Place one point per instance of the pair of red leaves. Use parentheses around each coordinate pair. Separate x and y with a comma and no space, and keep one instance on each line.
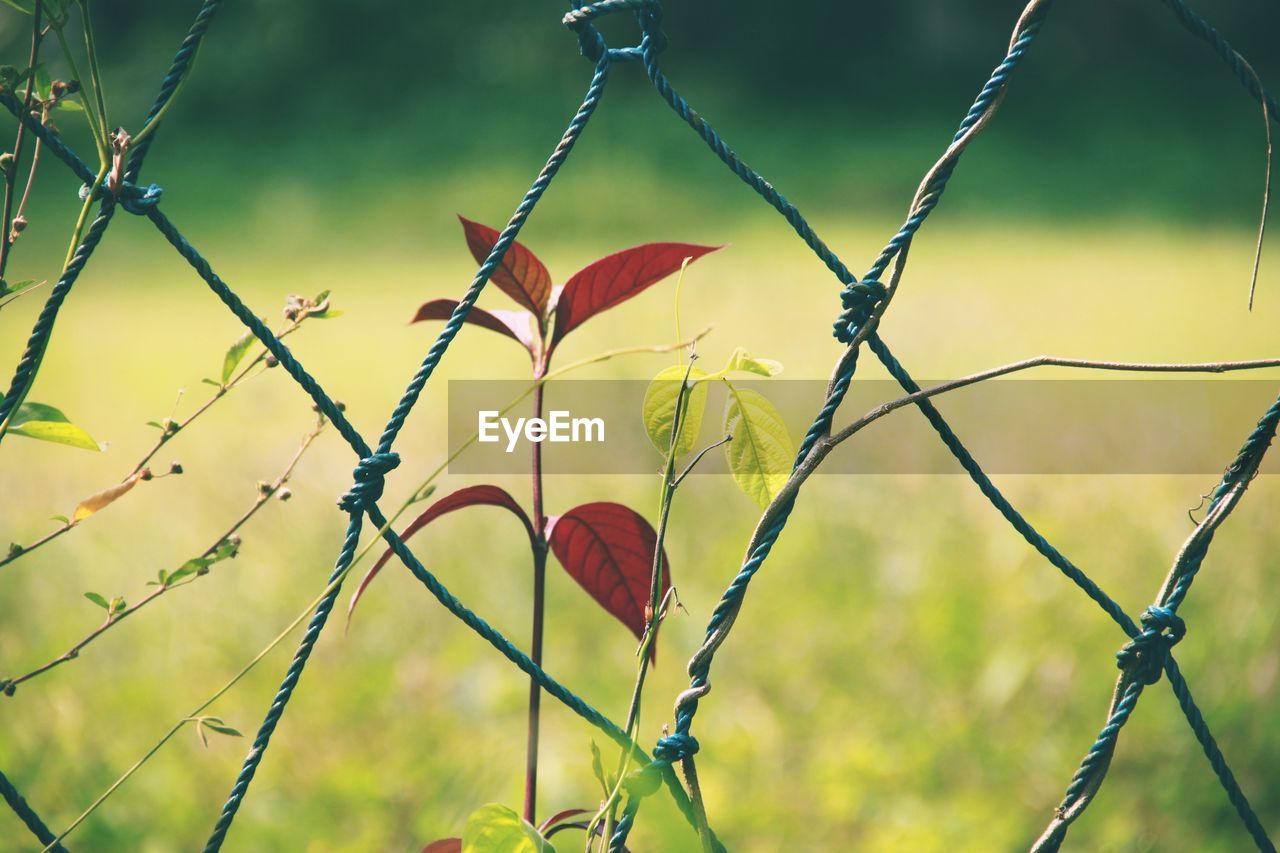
(593,289)
(606,547)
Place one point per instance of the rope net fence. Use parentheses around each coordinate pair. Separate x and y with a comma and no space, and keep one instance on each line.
(1145,657)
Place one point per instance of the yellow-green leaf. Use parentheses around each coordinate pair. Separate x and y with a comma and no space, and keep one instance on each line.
(235,355)
(494,828)
(760,453)
(104,498)
(36,420)
(742,362)
(659,409)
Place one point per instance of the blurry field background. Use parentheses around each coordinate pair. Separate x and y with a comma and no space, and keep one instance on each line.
(907,674)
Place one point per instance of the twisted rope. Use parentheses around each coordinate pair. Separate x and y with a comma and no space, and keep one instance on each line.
(169,85)
(28,816)
(25,373)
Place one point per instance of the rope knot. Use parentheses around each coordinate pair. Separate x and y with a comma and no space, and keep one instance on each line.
(592,43)
(369,478)
(859,299)
(1144,656)
(676,747)
(133,198)
(139,200)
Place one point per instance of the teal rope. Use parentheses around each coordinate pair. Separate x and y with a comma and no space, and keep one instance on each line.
(857,303)
(1146,656)
(860,299)
(274,345)
(373,467)
(25,372)
(1203,30)
(1217,760)
(169,85)
(28,815)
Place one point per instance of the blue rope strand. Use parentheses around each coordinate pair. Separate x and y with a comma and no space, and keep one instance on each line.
(25,372)
(285,691)
(274,345)
(504,241)
(169,85)
(1202,29)
(28,816)
(1216,759)
(369,479)
(1144,658)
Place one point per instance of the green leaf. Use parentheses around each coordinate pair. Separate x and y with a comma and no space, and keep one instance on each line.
(659,409)
(494,828)
(744,363)
(760,453)
(327,314)
(98,600)
(36,420)
(7,289)
(227,549)
(68,105)
(44,84)
(235,355)
(116,606)
(61,518)
(190,567)
(58,433)
(27,7)
(215,724)
(597,769)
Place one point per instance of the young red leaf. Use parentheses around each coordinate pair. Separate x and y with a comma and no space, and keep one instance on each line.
(444,845)
(513,324)
(520,275)
(608,549)
(616,278)
(470,496)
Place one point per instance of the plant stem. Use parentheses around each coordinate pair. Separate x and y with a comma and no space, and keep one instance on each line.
(11,174)
(539,605)
(262,498)
(373,542)
(657,607)
(167,434)
(699,808)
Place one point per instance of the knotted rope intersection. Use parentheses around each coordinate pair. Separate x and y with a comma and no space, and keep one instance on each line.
(1143,658)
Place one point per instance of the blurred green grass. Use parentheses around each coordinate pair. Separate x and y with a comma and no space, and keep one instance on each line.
(906,674)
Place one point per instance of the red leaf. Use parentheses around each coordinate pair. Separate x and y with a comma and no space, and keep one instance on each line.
(513,324)
(444,845)
(470,496)
(608,549)
(520,275)
(617,278)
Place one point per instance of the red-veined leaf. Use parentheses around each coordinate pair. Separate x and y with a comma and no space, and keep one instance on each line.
(520,275)
(513,324)
(470,496)
(444,845)
(608,549)
(616,278)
